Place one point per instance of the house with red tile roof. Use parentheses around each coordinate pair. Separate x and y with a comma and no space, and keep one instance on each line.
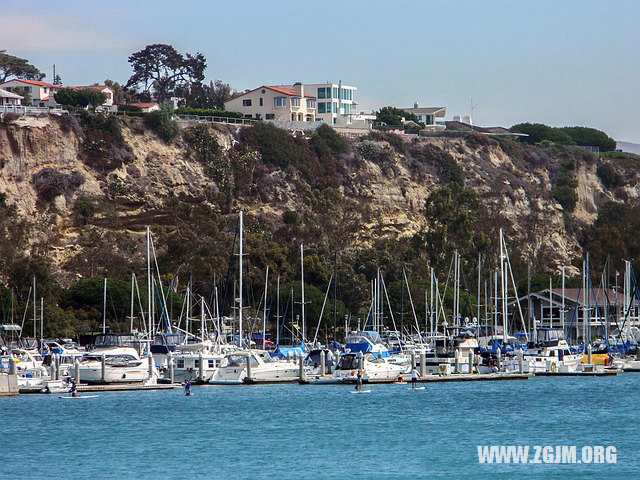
(275,103)
(108,92)
(146,107)
(41,92)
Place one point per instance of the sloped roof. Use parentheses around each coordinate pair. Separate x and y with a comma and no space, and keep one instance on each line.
(283,90)
(5,94)
(33,82)
(437,111)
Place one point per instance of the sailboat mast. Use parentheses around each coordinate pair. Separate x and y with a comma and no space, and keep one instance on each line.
(202,326)
(149,284)
(104,307)
(241,226)
(35,332)
(562,312)
(264,314)
(304,330)
(41,322)
(503,280)
(278,311)
(133,279)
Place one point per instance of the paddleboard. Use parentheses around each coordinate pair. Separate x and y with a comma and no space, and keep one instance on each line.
(80,396)
(418,388)
(361,391)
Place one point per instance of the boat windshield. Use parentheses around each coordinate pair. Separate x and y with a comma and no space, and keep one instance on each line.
(348,362)
(240,361)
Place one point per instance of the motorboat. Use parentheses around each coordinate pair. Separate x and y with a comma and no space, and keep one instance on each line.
(373,367)
(31,373)
(235,368)
(122,364)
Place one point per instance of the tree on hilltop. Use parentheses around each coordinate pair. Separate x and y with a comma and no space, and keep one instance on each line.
(160,69)
(12,66)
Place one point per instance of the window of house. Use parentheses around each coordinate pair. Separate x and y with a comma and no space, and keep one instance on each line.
(295,102)
(261,103)
(335,92)
(270,116)
(321,108)
(293,117)
(246,103)
(248,115)
(281,101)
(197,363)
(335,107)
(311,103)
(321,92)
(180,364)
(212,362)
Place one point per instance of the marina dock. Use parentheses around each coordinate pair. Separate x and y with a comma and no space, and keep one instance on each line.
(120,387)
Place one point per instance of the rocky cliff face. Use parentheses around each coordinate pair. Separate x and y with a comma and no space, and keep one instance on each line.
(385,186)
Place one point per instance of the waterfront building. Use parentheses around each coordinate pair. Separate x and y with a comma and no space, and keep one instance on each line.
(41,92)
(284,104)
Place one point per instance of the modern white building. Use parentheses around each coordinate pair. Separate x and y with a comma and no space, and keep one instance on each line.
(336,102)
(428,115)
(284,104)
(41,92)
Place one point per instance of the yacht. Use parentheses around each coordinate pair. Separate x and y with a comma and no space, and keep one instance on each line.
(198,361)
(123,364)
(32,375)
(263,367)
(374,367)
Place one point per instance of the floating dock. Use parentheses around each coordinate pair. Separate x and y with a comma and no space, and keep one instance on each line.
(120,387)
(601,373)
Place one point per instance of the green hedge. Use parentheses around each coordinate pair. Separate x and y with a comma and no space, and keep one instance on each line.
(207,112)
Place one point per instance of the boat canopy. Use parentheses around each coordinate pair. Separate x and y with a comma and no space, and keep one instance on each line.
(287,352)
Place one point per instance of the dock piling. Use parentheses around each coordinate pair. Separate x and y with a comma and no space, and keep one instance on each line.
(589,358)
(76,370)
(413,360)
(201,368)
(172,371)
(456,366)
(301,367)
(56,366)
(12,365)
(520,362)
(150,365)
(248,367)
(470,361)
(103,369)
(323,363)
(423,364)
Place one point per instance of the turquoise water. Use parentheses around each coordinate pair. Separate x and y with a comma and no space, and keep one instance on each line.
(299,432)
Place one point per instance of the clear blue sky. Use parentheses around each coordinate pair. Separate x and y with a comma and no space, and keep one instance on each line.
(557,62)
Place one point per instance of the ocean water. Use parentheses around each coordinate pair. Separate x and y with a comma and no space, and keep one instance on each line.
(321,432)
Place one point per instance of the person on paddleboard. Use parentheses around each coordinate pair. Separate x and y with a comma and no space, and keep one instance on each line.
(73,391)
(414,378)
(187,387)
(359,381)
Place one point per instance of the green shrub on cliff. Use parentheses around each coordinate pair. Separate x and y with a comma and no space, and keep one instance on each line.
(276,145)
(162,123)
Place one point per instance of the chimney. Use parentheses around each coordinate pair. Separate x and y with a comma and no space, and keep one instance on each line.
(298,87)
(415,104)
